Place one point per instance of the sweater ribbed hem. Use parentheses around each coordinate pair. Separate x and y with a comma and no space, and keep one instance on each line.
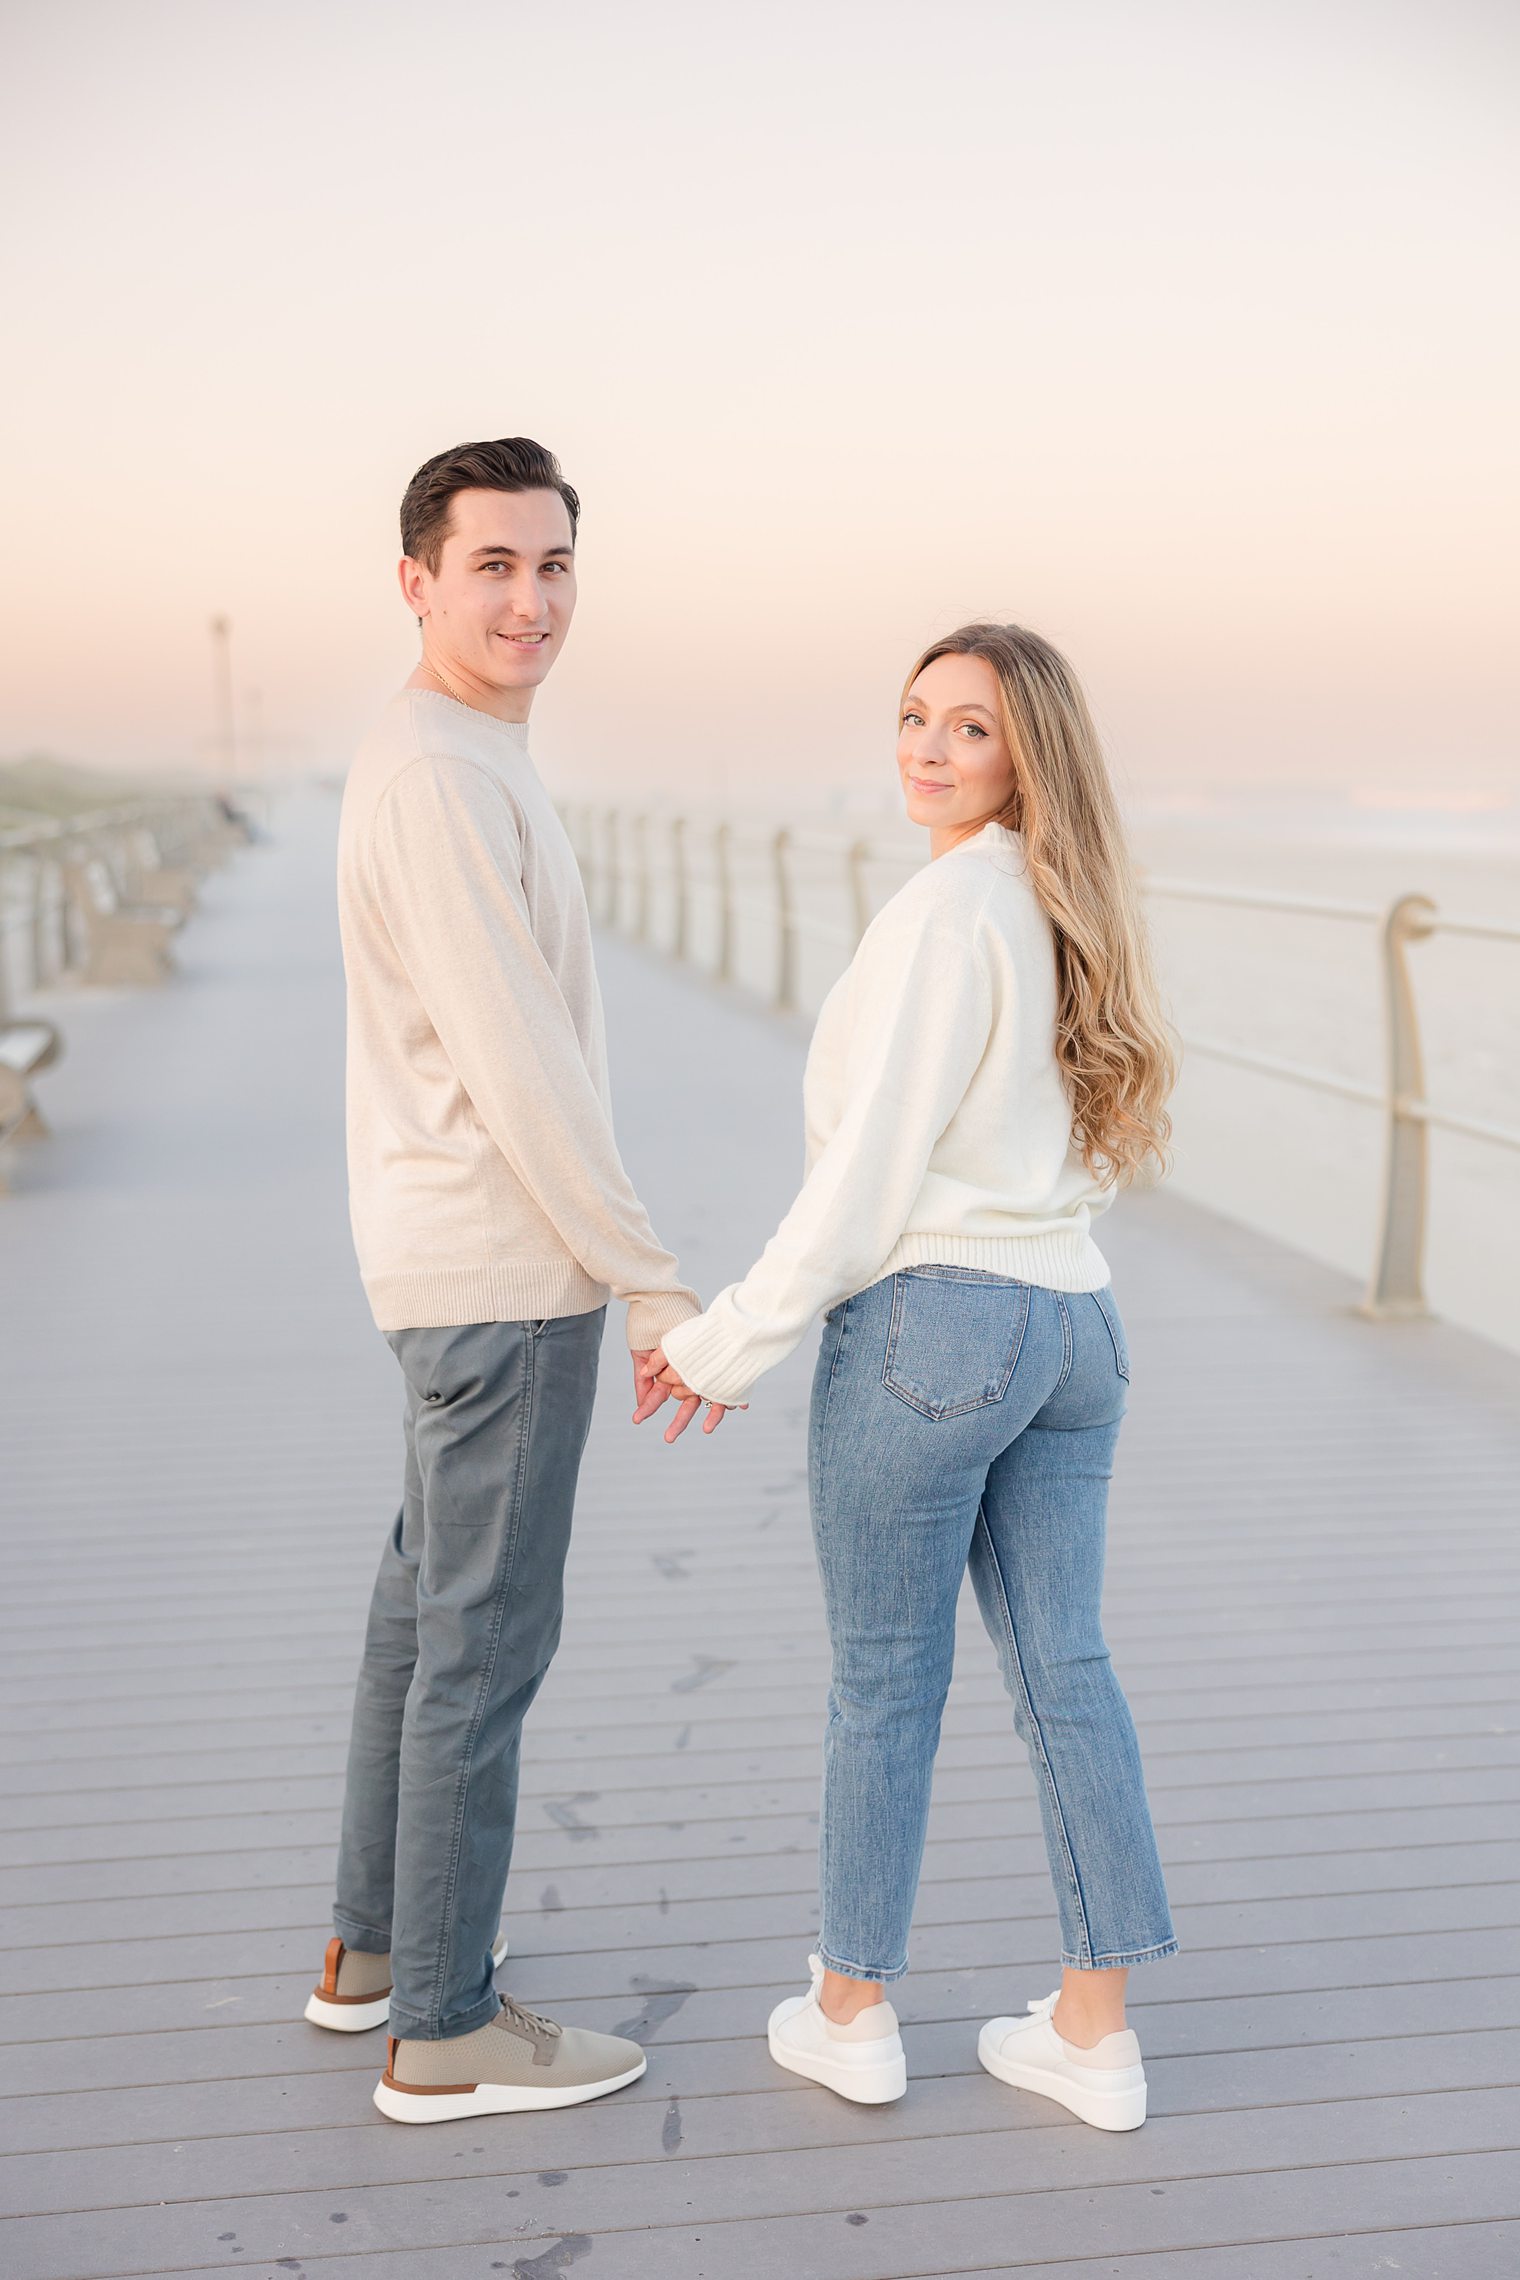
(510,1290)
(516,1290)
(1065,1259)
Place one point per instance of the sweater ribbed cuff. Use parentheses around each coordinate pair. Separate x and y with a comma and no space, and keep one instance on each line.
(652,1315)
(711,1360)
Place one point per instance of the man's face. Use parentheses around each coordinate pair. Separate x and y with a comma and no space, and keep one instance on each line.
(502,597)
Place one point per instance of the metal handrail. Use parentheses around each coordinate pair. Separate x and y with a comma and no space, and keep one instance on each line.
(1292,1072)
(1477,929)
(1396,1284)
(1471,1127)
(1253,898)
(128,815)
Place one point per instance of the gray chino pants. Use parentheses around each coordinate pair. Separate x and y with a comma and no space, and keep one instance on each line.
(463,1623)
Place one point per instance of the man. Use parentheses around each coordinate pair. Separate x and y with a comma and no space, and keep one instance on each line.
(492,1218)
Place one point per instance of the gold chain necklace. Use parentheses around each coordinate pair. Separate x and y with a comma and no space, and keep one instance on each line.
(448,684)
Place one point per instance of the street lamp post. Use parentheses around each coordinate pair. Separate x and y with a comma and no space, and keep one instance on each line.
(221,679)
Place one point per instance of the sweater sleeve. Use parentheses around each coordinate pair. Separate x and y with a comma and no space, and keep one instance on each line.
(920,1014)
(447,870)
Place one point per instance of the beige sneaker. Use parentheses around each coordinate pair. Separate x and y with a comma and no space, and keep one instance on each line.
(517,2064)
(354,1991)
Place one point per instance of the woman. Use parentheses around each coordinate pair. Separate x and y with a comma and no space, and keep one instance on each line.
(991,1067)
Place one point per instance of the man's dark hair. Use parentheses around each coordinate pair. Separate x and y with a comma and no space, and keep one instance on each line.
(511,463)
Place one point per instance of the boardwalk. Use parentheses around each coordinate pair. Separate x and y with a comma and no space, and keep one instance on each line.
(1311,1599)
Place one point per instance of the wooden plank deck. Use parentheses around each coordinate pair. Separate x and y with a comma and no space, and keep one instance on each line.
(1311,1599)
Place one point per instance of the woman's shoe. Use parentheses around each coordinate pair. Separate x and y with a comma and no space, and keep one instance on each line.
(354,1991)
(863,2061)
(1104,2085)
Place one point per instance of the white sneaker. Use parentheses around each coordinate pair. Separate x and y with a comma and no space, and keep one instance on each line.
(863,2061)
(1104,2085)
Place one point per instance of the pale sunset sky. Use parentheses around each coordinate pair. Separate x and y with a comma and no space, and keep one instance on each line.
(1185,332)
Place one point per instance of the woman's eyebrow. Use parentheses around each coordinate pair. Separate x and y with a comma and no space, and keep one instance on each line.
(982,709)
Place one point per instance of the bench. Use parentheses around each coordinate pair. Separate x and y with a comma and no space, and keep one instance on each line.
(25,1047)
(169,886)
(223,831)
(124,942)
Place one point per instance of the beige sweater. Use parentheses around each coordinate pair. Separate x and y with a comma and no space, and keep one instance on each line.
(484,1179)
(938,1126)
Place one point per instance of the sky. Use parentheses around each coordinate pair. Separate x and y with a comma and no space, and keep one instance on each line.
(1184,332)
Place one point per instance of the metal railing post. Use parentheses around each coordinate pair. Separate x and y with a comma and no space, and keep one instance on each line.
(573,816)
(611,896)
(786,926)
(6,869)
(64,925)
(1397,1285)
(641,898)
(34,921)
(860,893)
(723,855)
(43,909)
(679,924)
(590,854)
(11,873)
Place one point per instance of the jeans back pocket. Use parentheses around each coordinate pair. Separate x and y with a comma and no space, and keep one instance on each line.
(1104,1301)
(954,1340)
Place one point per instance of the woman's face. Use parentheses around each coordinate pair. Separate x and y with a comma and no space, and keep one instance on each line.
(956,768)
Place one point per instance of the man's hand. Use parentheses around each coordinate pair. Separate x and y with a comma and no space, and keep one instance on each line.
(643,1383)
(655,1382)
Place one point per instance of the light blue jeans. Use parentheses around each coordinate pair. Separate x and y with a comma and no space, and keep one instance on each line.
(961,1418)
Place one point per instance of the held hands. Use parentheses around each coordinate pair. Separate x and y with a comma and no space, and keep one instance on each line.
(655,1382)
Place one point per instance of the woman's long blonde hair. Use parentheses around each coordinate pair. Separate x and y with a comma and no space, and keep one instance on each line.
(1112,1043)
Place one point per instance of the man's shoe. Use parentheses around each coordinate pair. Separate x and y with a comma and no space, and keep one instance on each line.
(864,2060)
(354,1991)
(518,2063)
(1104,2085)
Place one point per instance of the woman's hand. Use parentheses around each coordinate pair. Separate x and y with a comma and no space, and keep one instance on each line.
(656,1381)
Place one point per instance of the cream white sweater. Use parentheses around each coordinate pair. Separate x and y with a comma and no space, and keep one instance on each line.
(484,1179)
(938,1128)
